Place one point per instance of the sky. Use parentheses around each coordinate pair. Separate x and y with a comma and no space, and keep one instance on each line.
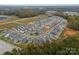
(38,2)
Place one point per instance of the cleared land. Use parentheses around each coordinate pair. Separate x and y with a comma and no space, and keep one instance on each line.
(70,32)
(9,24)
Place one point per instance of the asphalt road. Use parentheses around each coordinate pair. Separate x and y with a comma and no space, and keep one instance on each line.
(4,46)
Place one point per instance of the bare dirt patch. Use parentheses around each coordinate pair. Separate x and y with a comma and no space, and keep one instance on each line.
(70,32)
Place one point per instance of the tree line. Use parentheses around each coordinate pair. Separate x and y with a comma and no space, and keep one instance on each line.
(22,13)
(65,46)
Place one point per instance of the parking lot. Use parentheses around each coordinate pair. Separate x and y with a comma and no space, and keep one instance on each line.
(4,46)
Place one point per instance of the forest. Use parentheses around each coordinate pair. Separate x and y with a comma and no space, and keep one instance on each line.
(21,13)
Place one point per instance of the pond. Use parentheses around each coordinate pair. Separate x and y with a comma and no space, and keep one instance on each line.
(2,18)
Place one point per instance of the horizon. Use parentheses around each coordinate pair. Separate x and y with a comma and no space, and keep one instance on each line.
(39,4)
